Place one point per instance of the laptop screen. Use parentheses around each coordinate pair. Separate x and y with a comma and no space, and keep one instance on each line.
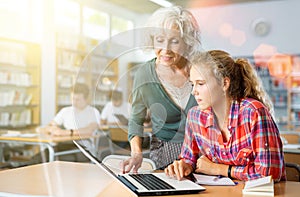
(123,120)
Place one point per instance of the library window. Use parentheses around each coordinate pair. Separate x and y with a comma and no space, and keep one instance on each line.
(119,25)
(67,16)
(95,24)
(23,21)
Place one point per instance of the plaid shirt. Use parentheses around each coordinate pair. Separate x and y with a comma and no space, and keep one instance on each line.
(254,146)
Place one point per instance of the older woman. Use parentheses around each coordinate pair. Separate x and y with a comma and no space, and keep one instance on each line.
(162,86)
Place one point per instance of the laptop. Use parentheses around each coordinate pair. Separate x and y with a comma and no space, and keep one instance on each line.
(147,184)
(123,120)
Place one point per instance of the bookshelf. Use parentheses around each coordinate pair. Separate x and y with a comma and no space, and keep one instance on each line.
(276,89)
(82,62)
(286,69)
(132,68)
(19,84)
(293,99)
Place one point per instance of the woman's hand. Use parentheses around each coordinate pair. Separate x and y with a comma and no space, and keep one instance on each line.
(179,169)
(134,162)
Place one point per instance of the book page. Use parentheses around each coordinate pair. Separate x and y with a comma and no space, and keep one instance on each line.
(212,180)
(258,182)
(262,186)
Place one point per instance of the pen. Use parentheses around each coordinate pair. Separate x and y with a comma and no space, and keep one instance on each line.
(192,177)
(217,177)
(220,176)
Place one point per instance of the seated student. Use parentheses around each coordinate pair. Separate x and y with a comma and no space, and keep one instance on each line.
(78,119)
(231,132)
(115,106)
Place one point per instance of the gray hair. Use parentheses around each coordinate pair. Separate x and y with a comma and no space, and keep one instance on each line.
(168,18)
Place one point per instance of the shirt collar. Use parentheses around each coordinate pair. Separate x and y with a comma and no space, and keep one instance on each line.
(234,113)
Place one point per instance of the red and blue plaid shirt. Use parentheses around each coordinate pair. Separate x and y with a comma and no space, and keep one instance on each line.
(254,146)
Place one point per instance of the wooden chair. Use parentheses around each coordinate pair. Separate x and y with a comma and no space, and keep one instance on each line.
(118,141)
(291,138)
(292,171)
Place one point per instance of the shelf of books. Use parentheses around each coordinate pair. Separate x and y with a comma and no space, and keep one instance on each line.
(276,89)
(294,99)
(77,62)
(285,72)
(19,84)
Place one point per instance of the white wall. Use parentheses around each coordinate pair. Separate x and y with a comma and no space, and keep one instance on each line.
(283,17)
(48,82)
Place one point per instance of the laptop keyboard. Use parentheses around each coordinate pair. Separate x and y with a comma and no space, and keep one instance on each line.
(151,182)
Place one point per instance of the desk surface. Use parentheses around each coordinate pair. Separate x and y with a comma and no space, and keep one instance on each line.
(54,179)
(106,127)
(282,189)
(43,138)
(81,179)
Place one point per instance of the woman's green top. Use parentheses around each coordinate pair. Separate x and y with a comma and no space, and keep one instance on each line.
(168,119)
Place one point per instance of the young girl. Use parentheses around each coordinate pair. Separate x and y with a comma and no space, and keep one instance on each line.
(231,132)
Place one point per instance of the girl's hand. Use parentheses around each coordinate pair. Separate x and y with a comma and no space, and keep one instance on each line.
(179,169)
(205,166)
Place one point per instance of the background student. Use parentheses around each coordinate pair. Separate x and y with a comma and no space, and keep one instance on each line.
(162,86)
(115,106)
(78,119)
(110,111)
(232,127)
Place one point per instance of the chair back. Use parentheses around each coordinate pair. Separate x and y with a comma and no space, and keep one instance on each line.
(291,138)
(118,134)
(114,162)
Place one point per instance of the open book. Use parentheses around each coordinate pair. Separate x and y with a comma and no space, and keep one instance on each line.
(260,187)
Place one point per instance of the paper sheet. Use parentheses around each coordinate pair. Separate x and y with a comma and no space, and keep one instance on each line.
(212,180)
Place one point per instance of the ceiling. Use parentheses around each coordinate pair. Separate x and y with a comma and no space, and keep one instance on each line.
(147,7)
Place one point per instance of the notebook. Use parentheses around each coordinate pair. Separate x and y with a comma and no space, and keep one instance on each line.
(123,120)
(147,184)
(259,187)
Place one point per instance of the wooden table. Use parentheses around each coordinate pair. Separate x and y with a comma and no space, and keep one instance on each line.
(45,140)
(81,179)
(58,178)
(106,127)
(292,153)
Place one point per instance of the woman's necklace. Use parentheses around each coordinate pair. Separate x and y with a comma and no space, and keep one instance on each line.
(177,92)
(180,92)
